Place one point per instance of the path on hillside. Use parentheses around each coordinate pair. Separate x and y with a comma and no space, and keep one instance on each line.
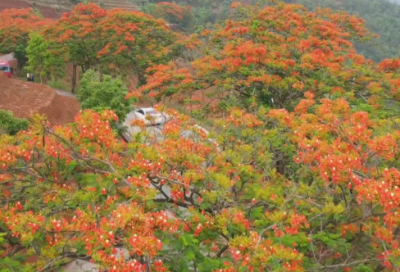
(10,57)
(64,93)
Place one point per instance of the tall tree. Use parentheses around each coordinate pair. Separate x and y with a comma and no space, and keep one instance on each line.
(77,32)
(104,93)
(112,42)
(15,28)
(45,57)
(174,14)
(272,54)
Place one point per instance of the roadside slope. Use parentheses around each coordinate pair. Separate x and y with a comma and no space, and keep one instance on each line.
(26,98)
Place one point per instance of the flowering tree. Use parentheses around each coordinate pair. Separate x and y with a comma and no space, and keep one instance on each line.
(15,28)
(272,55)
(114,42)
(315,189)
(174,14)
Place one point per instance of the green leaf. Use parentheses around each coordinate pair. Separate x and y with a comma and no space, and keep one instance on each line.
(189,254)
(184,241)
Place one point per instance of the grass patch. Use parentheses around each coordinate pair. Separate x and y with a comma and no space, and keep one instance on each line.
(57,84)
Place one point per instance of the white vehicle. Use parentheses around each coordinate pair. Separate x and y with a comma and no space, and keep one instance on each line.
(151,117)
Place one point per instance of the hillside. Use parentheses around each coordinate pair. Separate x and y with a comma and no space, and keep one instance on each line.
(54,8)
(124,4)
(26,98)
(51,12)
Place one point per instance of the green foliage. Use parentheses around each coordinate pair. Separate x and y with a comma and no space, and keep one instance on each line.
(19,52)
(9,265)
(202,12)
(10,124)
(104,93)
(57,84)
(41,58)
(148,8)
(20,55)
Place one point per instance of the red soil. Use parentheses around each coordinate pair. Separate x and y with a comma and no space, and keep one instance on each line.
(61,110)
(26,98)
(47,12)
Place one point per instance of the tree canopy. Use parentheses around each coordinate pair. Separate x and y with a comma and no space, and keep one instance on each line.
(111,41)
(381,17)
(271,55)
(174,14)
(299,173)
(313,189)
(15,28)
(104,93)
(44,58)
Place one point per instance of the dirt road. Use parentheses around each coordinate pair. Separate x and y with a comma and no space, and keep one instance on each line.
(64,93)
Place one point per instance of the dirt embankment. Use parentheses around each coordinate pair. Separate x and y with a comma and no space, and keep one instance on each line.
(46,11)
(61,110)
(26,98)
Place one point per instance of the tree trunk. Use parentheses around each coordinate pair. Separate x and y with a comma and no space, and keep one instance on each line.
(73,83)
